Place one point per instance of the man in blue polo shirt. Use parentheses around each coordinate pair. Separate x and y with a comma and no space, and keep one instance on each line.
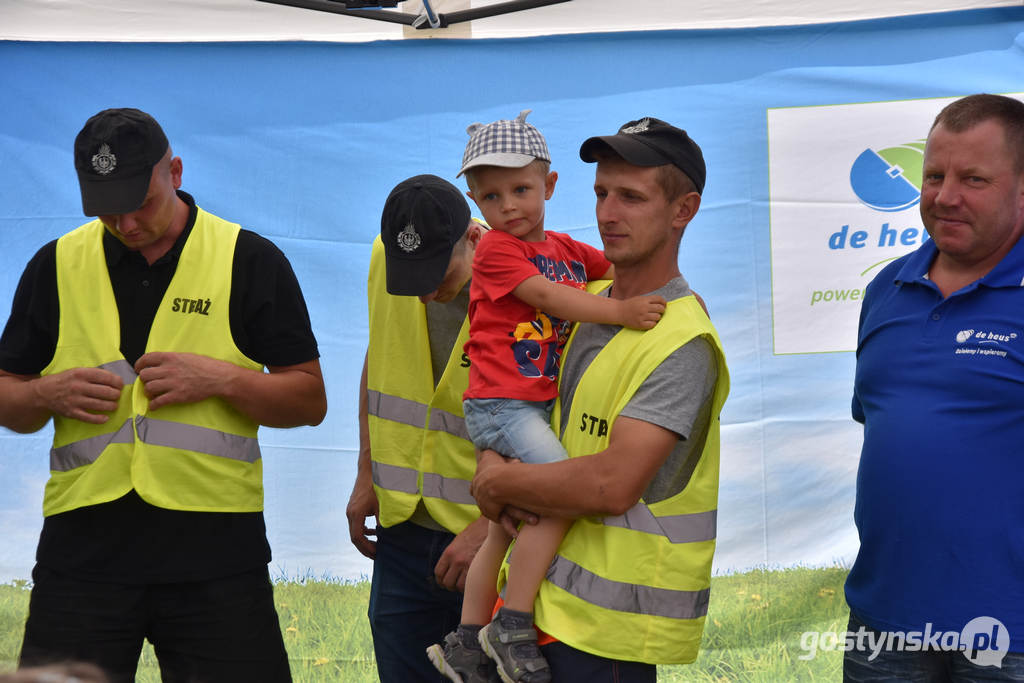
(937,590)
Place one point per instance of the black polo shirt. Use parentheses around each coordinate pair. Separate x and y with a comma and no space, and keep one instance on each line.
(129,540)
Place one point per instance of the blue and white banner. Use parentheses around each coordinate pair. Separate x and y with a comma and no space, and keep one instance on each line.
(845,186)
(811,134)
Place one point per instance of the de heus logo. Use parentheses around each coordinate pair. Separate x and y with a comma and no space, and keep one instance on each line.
(889,179)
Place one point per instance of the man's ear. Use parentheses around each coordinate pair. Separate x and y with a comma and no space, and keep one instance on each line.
(474,231)
(176,170)
(686,208)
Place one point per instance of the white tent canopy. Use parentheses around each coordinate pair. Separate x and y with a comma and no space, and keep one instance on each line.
(253,20)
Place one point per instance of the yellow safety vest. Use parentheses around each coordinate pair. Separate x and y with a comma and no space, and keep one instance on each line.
(635,587)
(418,440)
(201,456)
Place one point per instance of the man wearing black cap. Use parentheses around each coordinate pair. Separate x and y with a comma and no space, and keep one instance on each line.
(415,457)
(638,413)
(158,338)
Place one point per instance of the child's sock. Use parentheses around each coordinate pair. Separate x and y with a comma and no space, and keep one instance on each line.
(468,634)
(513,620)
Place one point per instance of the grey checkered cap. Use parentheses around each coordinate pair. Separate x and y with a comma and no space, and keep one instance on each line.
(509,143)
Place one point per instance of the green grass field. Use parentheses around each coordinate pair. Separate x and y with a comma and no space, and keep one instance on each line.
(753,629)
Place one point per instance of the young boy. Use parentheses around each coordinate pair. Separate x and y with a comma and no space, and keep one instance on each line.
(520,316)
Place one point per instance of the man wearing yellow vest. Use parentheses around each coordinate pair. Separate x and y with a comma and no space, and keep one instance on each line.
(638,414)
(158,338)
(415,457)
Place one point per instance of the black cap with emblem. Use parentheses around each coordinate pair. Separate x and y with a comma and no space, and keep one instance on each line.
(423,218)
(652,142)
(114,156)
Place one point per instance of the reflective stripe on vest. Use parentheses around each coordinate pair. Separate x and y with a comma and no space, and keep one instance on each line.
(188,437)
(396,409)
(86,451)
(122,369)
(413,413)
(691,528)
(626,597)
(443,421)
(395,478)
(156,432)
(639,599)
(445,488)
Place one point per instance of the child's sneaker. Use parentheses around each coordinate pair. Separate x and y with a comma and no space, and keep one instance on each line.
(515,653)
(460,663)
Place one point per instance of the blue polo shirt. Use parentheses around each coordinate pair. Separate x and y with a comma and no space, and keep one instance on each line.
(940,489)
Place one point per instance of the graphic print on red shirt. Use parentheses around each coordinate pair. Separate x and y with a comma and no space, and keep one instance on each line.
(514,348)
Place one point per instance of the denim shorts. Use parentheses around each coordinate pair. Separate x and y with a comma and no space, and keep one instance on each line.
(514,428)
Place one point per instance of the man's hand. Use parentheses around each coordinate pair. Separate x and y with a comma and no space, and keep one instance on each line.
(362,504)
(642,312)
(489,467)
(511,517)
(80,393)
(453,567)
(171,377)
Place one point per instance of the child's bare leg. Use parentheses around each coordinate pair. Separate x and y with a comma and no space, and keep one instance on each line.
(510,639)
(531,557)
(480,596)
(461,657)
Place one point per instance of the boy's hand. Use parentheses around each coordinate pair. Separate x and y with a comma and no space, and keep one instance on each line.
(642,312)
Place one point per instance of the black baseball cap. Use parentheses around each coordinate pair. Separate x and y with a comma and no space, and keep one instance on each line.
(652,142)
(114,156)
(423,218)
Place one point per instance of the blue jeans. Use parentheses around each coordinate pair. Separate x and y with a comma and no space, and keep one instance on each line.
(514,428)
(408,610)
(928,666)
(569,665)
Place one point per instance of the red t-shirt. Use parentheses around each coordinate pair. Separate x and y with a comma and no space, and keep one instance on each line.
(514,348)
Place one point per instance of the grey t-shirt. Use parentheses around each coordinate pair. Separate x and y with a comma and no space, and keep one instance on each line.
(676,396)
(444,321)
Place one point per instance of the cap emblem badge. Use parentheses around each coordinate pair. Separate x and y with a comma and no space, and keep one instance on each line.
(639,127)
(104,162)
(409,240)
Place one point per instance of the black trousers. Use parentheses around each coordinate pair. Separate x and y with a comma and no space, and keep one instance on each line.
(216,631)
(569,665)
